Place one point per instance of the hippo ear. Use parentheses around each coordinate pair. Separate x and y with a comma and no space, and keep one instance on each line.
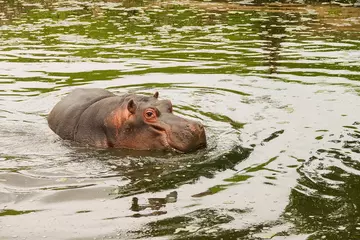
(131,106)
(156,95)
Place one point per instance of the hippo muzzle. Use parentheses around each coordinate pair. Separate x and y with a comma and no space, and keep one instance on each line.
(182,134)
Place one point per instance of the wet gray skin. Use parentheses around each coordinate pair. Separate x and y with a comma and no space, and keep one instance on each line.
(276,86)
(99,118)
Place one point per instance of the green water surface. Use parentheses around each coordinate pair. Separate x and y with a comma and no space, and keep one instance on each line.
(276,85)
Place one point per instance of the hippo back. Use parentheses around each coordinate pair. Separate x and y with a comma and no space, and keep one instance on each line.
(64,117)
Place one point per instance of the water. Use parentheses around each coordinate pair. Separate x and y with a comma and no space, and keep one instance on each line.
(276,87)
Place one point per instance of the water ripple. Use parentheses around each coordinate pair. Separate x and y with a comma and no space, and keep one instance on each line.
(276,86)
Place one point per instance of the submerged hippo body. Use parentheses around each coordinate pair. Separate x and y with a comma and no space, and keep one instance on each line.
(100,118)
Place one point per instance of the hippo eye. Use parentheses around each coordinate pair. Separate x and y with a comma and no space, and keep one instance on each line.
(150,114)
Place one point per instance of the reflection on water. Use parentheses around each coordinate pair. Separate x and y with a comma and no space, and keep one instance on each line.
(277,88)
(326,197)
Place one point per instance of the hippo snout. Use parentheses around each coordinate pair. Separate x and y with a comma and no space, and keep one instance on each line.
(200,131)
(188,137)
(195,126)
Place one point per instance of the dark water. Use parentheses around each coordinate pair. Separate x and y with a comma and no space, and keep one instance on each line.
(277,88)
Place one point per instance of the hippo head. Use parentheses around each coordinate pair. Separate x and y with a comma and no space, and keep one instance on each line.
(149,124)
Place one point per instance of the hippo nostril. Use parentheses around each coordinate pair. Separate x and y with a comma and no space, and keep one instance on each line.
(199,126)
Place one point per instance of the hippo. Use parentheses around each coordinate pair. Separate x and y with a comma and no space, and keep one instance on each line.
(99,118)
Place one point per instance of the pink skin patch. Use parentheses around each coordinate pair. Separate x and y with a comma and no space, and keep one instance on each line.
(117,118)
